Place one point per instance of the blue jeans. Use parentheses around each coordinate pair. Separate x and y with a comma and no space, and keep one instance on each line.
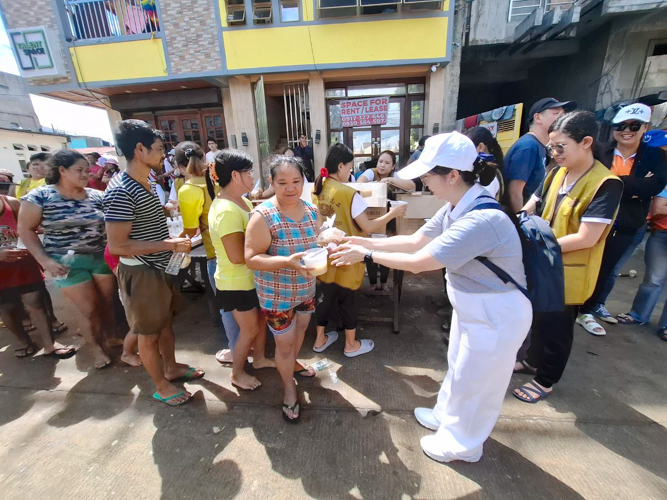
(654,280)
(613,276)
(229,325)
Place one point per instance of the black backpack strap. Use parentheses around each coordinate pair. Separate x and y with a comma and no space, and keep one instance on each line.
(503,275)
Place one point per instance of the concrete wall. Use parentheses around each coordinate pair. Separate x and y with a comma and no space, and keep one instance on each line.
(624,64)
(318,118)
(488,22)
(15,103)
(240,117)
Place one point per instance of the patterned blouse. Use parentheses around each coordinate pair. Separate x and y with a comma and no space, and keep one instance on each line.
(285,289)
(70,224)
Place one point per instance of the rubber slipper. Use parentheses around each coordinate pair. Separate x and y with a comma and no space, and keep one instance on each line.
(65,352)
(29,327)
(192,374)
(294,420)
(590,325)
(662,334)
(540,393)
(626,319)
(159,398)
(527,369)
(366,347)
(60,329)
(24,352)
(331,338)
(219,357)
(305,373)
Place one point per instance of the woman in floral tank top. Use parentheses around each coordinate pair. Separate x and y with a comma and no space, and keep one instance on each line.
(279,231)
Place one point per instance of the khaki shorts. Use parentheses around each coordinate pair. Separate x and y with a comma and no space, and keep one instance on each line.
(150,297)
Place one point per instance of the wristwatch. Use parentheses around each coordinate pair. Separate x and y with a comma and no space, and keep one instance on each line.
(368,258)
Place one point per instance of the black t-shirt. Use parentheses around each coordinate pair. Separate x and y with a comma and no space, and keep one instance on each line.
(602,207)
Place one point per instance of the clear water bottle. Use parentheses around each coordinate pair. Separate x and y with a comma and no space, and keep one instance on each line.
(175,263)
(66,261)
(325,364)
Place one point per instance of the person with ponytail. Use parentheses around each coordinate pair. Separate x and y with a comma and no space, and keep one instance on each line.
(490,151)
(194,202)
(231,173)
(491,318)
(385,172)
(579,199)
(339,284)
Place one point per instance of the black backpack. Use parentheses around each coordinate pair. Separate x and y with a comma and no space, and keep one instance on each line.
(542,260)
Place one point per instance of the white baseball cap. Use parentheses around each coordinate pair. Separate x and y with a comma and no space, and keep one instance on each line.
(637,111)
(452,150)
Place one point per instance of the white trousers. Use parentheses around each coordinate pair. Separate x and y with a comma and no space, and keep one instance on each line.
(486,333)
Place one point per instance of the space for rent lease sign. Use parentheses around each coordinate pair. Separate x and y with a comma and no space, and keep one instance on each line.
(362,112)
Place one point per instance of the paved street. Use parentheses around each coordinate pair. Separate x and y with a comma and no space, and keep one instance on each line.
(69,431)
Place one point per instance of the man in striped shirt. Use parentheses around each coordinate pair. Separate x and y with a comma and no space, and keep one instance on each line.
(137,231)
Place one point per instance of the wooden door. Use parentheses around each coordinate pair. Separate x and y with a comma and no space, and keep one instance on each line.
(214,126)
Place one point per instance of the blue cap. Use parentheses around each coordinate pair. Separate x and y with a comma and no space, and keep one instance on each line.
(656,138)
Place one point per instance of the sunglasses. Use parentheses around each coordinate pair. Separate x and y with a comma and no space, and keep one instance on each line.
(555,148)
(633,126)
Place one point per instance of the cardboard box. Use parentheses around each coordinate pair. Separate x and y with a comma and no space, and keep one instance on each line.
(420,207)
(374,213)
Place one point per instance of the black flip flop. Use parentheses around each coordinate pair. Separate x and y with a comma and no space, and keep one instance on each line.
(69,351)
(662,334)
(291,408)
(527,369)
(26,351)
(60,329)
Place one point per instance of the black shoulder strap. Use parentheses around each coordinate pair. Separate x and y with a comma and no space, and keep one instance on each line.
(503,275)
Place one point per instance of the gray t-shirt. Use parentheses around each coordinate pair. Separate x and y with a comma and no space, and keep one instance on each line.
(460,235)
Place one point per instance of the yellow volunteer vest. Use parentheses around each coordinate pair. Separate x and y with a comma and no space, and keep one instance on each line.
(336,198)
(582,267)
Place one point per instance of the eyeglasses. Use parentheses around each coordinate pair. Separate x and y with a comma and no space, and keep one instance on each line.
(633,126)
(555,148)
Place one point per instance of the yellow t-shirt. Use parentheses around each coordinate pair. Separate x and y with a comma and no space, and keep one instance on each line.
(21,188)
(192,200)
(226,217)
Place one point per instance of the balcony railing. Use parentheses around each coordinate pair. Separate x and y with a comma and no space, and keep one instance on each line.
(92,19)
(521,8)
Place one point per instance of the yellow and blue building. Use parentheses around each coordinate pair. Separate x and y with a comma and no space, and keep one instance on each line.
(251,74)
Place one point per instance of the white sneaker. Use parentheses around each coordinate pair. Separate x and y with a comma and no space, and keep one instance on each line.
(431,449)
(425,417)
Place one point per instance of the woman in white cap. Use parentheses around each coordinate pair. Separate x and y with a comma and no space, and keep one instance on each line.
(643,170)
(490,318)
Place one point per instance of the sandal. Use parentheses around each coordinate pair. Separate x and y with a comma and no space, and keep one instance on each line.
(159,398)
(24,352)
(59,329)
(191,374)
(662,334)
(307,372)
(590,325)
(294,407)
(61,352)
(527,369)
(540,393)
(365,347)
(331,338)
(220,357)
(626,319)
